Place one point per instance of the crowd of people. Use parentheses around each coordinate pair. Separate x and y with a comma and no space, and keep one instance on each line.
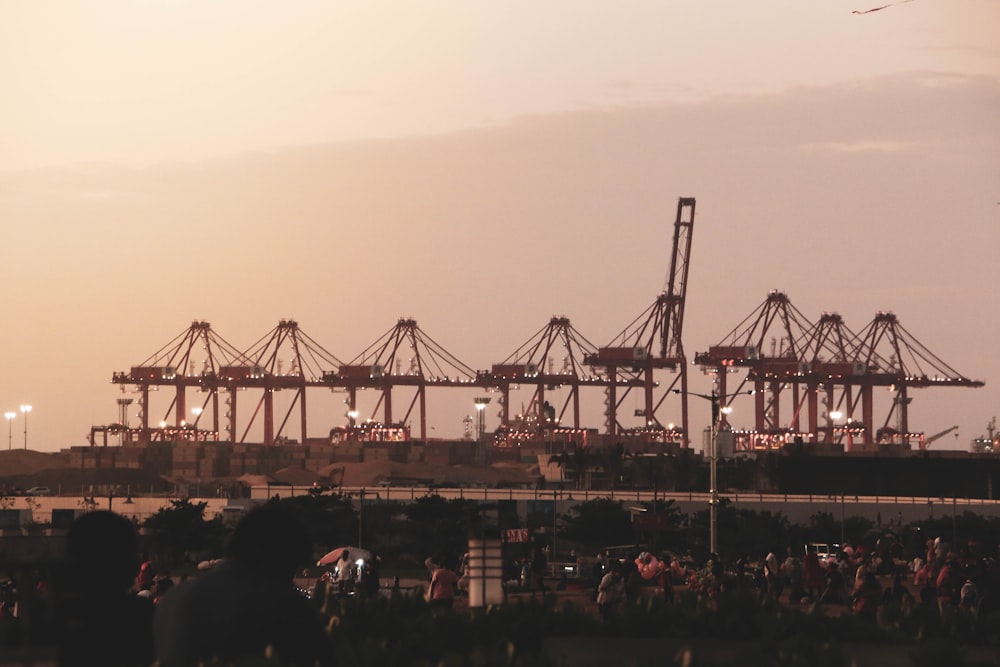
(104,604)
(854,579)
(862,579)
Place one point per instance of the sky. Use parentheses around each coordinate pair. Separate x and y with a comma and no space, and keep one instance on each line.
(483,166)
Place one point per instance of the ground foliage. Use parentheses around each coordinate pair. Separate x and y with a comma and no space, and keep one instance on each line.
(402,629)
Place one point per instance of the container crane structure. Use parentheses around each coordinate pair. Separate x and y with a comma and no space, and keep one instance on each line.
(811,382)
(404,356)
(308,364)
(653,341)
(176,365)
(895,359)
(823,363)
(227,370)
(533,364)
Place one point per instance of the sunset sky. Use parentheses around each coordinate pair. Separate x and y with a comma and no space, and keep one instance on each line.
(481,166)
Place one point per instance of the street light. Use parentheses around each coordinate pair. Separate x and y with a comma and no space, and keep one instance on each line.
(196,411)
(718,413)
(833,417)
(10,425)
(481,402)
(25,409)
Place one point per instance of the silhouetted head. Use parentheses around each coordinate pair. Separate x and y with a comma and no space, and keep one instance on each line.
(103,551)
(271,541)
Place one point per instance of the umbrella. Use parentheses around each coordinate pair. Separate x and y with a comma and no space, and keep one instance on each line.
(354,553)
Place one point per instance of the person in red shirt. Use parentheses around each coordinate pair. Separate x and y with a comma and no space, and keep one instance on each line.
(444,581)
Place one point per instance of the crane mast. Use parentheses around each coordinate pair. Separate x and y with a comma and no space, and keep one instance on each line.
(633,356)
(673,316)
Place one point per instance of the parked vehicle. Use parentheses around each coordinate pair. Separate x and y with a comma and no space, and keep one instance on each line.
(38,491)
(827,553)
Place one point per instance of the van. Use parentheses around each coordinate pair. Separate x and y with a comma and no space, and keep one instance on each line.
(38,491)
(827,553)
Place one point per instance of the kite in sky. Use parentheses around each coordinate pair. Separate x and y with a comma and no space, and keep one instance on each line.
(869,11)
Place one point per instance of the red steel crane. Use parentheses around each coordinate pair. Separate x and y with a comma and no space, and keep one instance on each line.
(195,358)
(895,359)
(404,356)
(653,341)
(534,364)
(284,359)
(823,363)
(200,359)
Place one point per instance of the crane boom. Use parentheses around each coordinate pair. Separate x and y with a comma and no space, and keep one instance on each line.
(931,438)
(673,316)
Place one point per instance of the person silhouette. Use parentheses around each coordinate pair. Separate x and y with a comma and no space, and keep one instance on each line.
(101,622)
(247,603)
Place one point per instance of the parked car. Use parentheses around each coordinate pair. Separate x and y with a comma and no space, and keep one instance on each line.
(827,552)
(38,491)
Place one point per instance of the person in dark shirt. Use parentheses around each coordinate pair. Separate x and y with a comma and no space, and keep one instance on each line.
(247,603)
(101,622)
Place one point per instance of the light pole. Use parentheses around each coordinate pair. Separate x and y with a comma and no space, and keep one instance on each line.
(196,411)
(10,427)
(25,409)
(833,417)
(481,403)
(713,501)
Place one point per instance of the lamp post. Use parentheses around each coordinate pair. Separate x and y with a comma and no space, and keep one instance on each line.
(196,411)
(833,417)
(481,402)
(25,409)
(10,427)
(713,502)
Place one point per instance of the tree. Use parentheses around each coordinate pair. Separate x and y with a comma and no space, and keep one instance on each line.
(437,526)
(180,533)
(598,523)
(745,532)
(330,518)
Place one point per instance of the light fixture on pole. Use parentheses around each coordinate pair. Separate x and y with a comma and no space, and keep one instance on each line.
(719,413)
(25,409)
(10,426)
(196,411)
(833,417)
(481,402)
(713,520)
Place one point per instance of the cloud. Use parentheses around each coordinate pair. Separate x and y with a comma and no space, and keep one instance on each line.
(862,146)
(851,198)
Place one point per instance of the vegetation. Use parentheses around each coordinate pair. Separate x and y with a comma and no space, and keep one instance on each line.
(400,628)
(180,535)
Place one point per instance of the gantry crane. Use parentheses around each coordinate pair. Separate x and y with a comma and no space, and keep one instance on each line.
(824,363)
(404,356)
(534,364)
(653,341)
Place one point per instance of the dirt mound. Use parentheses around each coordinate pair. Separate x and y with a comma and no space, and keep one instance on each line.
(22,469)
(29,462)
